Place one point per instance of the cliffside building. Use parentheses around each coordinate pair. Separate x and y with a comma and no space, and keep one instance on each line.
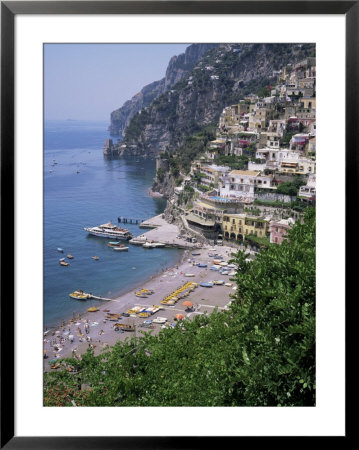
(238,226)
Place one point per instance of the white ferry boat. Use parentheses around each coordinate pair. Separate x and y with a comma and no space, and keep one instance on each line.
(108,230)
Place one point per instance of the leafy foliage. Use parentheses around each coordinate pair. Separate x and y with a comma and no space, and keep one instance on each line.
(232,161)
(290,187)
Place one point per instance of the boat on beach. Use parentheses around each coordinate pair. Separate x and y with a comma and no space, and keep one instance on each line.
(108,230)
(124,327)
(206,284)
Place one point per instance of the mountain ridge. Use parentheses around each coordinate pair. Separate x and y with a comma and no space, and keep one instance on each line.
(177,68)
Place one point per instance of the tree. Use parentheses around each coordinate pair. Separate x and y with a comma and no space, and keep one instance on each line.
(276,309)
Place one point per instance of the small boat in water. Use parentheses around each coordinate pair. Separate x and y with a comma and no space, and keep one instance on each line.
(122,248)
(70,256)
(64,263)
(113,244)
(79,294)
(95,258)
(61,250)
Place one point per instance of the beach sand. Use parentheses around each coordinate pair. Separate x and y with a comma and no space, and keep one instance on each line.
(100,332)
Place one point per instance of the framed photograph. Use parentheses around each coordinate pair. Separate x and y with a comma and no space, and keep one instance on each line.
(225,318)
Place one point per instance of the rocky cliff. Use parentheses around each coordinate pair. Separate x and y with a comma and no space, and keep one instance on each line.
(178,67)
(222,76)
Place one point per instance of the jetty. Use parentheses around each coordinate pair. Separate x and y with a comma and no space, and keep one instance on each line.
(131,220)
(164,233)
(87,296)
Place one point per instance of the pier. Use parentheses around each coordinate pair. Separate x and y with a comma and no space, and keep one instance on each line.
(90,296)
(164,233)
(130,220)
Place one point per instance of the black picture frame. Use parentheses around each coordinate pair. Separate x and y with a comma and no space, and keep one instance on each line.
(9,9)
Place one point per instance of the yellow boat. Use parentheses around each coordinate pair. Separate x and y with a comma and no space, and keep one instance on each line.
(78,296)
(93,309)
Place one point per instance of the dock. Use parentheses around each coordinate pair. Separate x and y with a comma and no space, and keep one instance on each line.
(164,233)
(93,297)
(130,220)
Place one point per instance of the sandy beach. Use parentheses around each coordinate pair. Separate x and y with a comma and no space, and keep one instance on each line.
(75,336)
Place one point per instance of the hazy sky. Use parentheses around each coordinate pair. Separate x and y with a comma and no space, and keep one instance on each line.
(89,81)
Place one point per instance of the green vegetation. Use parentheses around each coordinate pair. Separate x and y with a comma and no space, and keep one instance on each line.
(232,161)
(186,195)
(135,130)
(261,352)
(204,188)
(291,187)
(254,211)
(260,241)
(160,174)
(264,92)
(288,137)
(194,145)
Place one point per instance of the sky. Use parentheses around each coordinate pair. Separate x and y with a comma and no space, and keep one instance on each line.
(89,81)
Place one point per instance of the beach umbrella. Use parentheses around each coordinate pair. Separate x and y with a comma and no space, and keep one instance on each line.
(187,303)
(179,316)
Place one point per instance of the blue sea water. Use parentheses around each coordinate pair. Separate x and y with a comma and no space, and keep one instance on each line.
(102,191)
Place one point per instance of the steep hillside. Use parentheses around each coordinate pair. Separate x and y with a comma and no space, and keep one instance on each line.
(221,77)
(178,67)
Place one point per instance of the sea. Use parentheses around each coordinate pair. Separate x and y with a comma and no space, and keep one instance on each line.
(82,188)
